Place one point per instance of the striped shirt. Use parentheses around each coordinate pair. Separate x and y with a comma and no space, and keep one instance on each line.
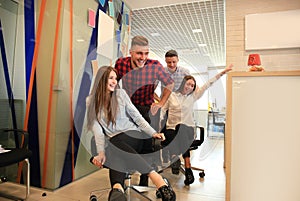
(178,75)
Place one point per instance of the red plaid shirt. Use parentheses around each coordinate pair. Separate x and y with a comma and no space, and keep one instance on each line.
(140,83)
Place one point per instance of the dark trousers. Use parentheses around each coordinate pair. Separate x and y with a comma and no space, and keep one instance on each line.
(178,141)
(123,157)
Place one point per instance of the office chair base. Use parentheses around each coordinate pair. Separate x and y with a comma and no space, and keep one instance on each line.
(96,195)
(129,189)
(140,190)
(93,194)
(201,171)
(137,189)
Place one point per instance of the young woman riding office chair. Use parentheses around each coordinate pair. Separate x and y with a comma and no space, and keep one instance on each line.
(112,115)
(180,116)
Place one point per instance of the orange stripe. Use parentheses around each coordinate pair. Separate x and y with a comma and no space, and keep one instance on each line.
(50,93)
(71,86)
(34,61)
(33,67)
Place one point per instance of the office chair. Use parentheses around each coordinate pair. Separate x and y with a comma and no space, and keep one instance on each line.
(15,152)
(195,145)
(128,186)
(218,123)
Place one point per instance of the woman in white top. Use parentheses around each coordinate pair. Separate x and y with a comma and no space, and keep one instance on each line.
(119,129)
(179,128)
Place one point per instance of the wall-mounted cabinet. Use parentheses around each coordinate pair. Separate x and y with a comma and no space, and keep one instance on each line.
(262,141)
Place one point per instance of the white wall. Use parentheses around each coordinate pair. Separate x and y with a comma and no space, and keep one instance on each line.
(272,60)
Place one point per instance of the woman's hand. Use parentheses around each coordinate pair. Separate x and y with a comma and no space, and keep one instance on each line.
(155,107)
(159,136)
(100,159)
(228,68)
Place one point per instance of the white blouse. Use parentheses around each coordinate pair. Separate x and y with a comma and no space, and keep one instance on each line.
(180,107)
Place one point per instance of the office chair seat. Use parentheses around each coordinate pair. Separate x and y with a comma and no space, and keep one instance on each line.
(13,156)
(195,144)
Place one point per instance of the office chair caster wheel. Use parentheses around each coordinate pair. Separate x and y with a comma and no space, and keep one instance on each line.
(186,183)
(93,198)
(3,179)
(201,174)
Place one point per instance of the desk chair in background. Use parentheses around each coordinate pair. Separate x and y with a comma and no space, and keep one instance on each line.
(15,142)
(216,121)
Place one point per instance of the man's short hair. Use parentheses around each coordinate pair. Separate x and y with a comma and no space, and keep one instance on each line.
(140,41)
(171,53)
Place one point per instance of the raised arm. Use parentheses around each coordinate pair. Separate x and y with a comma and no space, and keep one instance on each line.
(200,90)
(217,76)
(223,72)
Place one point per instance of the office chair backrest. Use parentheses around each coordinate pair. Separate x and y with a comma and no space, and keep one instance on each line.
(13,138)
(218,123)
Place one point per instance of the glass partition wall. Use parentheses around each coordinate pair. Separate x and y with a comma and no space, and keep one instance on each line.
(49,54)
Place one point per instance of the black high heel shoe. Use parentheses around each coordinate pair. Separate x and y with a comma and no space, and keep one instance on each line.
(189,176)
(167,193)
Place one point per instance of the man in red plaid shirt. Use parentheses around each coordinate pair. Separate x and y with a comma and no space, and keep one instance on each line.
(139,77)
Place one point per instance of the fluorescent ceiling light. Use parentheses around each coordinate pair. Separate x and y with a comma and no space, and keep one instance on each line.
(197,30)
(202,45)
(155,34)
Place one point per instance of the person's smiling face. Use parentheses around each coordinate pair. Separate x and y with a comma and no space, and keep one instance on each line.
(112,81)
(139,56)
(188,87)
(172,63)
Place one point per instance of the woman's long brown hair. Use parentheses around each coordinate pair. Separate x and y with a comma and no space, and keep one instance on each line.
(99,100)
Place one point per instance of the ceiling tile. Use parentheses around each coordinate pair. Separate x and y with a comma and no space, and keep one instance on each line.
(171,27)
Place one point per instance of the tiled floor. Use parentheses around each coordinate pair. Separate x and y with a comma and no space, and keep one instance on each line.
(211,188)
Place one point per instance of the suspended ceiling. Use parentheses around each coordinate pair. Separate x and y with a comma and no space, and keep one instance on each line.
(196,29)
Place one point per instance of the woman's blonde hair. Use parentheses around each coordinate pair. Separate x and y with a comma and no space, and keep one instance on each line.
(98,100)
